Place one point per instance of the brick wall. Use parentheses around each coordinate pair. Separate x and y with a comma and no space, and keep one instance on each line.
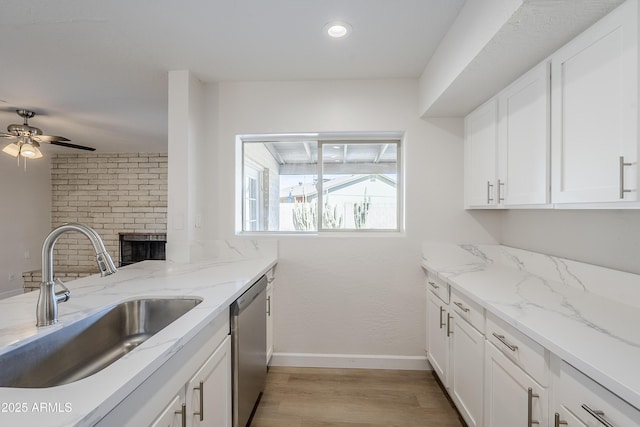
(110,193)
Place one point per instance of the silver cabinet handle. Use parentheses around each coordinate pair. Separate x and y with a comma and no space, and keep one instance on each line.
(598,415)
(557,422)
(622,165)
(489,187)
(442,310)
(434,285)
(449,317)
(530,396)
(504,341)
(183,412)
(461,306)
(269,306)
(201,413)
(500,186)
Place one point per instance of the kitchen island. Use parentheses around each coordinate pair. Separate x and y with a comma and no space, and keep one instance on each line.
(221,275)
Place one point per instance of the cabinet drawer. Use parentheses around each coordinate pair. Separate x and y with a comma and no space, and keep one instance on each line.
(524,352)
(468,310)
(588,400)
(438,287)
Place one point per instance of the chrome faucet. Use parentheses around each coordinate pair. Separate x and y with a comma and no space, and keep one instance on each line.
(47,308)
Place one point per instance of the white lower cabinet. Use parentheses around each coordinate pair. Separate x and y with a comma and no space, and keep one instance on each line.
(206,398)
(512,398)
(579,401)
(438,332)
(467,362)
(270,319)
(209,391)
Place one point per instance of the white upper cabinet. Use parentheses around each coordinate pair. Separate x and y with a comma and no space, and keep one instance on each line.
(507,145)
(480,145)
(523,139)
(594,112)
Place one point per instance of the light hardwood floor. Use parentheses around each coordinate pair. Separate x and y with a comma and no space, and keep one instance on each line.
(314,397)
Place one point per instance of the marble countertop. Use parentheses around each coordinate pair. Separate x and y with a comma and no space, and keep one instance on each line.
(217,280)
(587,315)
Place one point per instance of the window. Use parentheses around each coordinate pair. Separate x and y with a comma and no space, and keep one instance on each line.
(320,183)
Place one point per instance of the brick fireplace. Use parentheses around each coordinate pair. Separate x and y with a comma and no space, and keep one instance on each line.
(111,192)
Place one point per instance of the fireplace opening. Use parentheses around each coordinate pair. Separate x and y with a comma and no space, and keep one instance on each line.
(136,247)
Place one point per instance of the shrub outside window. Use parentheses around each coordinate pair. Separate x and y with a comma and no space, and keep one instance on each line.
(320,183)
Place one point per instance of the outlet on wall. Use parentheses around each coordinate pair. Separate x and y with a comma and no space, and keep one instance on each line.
(27,254)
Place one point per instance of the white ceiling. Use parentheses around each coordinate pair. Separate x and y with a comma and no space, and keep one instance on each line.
(96,70)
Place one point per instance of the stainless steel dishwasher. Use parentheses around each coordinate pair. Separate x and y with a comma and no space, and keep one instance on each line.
(248,350)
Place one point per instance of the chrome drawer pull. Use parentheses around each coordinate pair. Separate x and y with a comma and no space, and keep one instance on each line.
(504,341)
(622,166)
(530,396)
(441,322)
(598,415)
(201,413)
(183,414)
(489,187)
(434,285)
(557,422)
(461,306)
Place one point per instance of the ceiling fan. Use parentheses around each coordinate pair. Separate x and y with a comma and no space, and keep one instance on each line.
(28,139)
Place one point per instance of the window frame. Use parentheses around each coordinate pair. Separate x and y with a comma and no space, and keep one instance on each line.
(322,138)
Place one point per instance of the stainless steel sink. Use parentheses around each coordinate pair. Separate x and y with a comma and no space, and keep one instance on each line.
(89,345)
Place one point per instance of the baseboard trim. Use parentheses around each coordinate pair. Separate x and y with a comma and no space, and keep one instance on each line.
(314,360)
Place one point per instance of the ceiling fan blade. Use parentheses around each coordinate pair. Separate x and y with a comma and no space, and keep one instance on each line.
(6,135)
(66,144)
(49,138)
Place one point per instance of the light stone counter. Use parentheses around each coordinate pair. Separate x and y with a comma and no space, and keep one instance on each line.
(588,316)
(228,269)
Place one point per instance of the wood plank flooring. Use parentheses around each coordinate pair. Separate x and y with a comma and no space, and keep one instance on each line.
(315,397)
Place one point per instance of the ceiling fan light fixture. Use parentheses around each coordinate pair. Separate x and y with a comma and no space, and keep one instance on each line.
(12,149)
(30,151)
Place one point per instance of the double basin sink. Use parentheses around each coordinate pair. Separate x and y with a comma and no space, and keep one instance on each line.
(90,344)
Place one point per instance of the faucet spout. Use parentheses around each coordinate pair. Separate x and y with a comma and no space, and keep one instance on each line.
(47,308)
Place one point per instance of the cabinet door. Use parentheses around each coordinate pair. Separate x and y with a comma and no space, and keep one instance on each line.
(172,414)
(507,393)
(467,371)
(594,112)
(437,337)
(269,322)
(480,145)
(524,139)
(209,390)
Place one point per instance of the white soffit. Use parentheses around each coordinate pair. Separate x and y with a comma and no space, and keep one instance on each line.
(532,33)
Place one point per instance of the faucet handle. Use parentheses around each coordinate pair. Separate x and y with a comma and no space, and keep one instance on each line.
(63,295)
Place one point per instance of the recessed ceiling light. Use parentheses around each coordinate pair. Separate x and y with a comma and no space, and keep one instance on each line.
(337,30)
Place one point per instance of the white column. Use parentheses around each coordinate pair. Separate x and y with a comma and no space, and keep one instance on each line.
(186,124)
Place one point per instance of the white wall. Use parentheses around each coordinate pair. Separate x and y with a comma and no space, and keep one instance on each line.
(25,219)
(352,295)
